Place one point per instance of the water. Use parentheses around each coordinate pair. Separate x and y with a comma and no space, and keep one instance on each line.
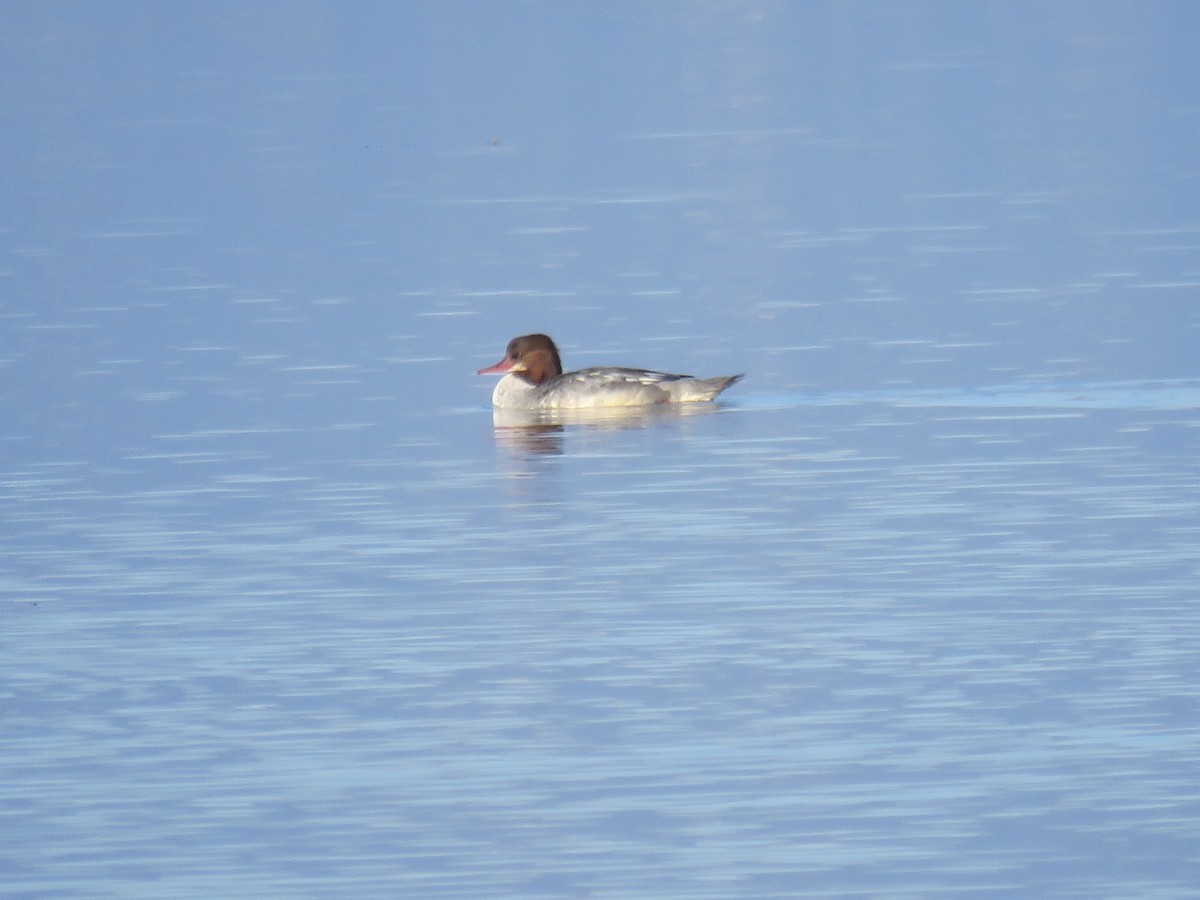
(288,612)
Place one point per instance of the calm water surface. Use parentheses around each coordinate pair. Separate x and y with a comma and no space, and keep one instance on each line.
(288,612)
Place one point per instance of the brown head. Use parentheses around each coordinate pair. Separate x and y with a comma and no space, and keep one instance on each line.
(532,357)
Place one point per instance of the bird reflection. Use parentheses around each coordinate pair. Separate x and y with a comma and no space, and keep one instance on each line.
(541,432)
(542,439)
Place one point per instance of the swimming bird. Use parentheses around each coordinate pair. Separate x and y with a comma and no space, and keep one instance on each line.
(534,379)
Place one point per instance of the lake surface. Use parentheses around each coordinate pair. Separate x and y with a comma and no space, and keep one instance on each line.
(288,612)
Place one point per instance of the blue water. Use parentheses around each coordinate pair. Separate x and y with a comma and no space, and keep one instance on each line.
(288,612)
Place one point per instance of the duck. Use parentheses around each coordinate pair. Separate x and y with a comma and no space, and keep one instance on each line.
(534,380)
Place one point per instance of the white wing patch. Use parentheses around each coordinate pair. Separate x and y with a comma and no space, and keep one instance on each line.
(612,375)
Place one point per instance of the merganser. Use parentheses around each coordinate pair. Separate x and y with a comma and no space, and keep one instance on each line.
(534,379)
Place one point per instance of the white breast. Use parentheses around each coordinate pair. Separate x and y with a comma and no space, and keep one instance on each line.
(514,393)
